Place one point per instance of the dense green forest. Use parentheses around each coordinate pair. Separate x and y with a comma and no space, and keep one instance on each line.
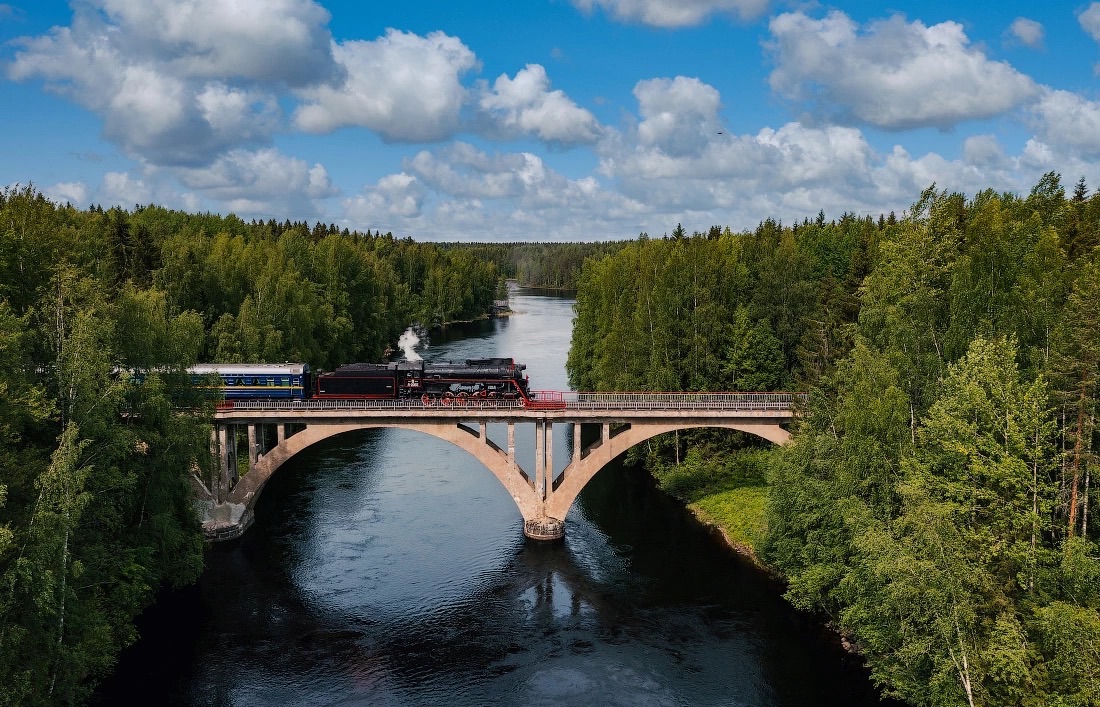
(95,501)
(555,266)
(934,501)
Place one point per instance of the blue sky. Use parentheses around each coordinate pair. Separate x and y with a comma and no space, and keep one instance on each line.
(544,119)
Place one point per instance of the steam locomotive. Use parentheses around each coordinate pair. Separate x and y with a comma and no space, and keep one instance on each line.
(442,381)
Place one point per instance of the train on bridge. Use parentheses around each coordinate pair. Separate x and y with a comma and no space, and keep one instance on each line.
(441,382)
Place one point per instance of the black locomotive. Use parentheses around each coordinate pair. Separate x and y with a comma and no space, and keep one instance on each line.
(476,378)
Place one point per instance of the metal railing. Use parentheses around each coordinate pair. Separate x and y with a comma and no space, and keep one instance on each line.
(669,401)
(546,400)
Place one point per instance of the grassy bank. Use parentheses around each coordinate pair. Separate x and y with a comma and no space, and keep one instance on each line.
(725,490)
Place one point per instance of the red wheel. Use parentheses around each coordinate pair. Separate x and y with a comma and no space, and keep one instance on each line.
(447,401)
(462,398)
(425,399)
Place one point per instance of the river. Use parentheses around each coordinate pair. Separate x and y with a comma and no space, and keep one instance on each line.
(389,568)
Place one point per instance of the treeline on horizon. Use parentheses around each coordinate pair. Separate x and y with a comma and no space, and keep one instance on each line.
(551,266)
(934,502)
(95,497)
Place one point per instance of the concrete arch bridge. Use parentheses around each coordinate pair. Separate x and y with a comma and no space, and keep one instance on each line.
(543,499)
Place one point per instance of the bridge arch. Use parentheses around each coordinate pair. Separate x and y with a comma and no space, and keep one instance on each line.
(499,462)
(580,471)
(543,498)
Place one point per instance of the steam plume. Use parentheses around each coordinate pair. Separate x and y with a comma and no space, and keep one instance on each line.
(408,342)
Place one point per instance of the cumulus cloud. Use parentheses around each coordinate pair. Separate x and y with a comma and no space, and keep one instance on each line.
(177,83)
(464,171)
(892,73)
(75,193)
(674,13)
(461,192)
(679,115)
(403,86)
(985,151)
(1067,122)
(395,196)
(120,189)
(265,40)
(261,183)
(1090,20)
(1027,32)
(525,105)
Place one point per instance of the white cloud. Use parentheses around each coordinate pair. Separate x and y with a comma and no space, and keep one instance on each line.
(75,193)
(403,86)
(788,172)
(526,105)
(679,116)
(177,83)
(1090,20)
(120,189)
(263,183)
(892,74)
(263,40)
(674,13)
(1068,123)
(985,151)
(462,170)
(1027,32)
(395,196)
(463,193)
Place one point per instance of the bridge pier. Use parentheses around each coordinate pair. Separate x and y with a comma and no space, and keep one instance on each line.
(542,526)
(253,447)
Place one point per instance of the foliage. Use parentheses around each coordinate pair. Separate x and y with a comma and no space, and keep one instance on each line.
(100,430)
(934,501)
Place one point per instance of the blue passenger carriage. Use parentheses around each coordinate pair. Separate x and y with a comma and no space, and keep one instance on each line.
(245,381)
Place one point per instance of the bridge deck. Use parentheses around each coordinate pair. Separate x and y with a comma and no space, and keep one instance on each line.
(543,405)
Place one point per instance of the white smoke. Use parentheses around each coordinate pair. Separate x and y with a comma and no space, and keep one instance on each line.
(408,343)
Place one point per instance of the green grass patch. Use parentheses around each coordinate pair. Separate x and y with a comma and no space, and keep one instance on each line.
(739,512)
(723,488)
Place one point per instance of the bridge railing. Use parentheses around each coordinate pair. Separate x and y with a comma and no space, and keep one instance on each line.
(547,400)
(570,400)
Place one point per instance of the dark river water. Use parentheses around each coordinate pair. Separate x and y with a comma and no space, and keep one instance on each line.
(389,568)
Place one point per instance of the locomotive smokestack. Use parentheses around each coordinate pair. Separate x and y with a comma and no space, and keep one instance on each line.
(408,342)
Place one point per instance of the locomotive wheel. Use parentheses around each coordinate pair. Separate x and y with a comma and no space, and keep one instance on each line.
(462,399)
(426,399)
(447,401)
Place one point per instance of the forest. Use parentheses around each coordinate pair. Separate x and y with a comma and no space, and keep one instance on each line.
(551,266)
(933,505)
(95,501)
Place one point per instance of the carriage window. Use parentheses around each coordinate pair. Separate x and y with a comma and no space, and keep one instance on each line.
(240,381)
(270,382)
(229,381)
(284,381)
